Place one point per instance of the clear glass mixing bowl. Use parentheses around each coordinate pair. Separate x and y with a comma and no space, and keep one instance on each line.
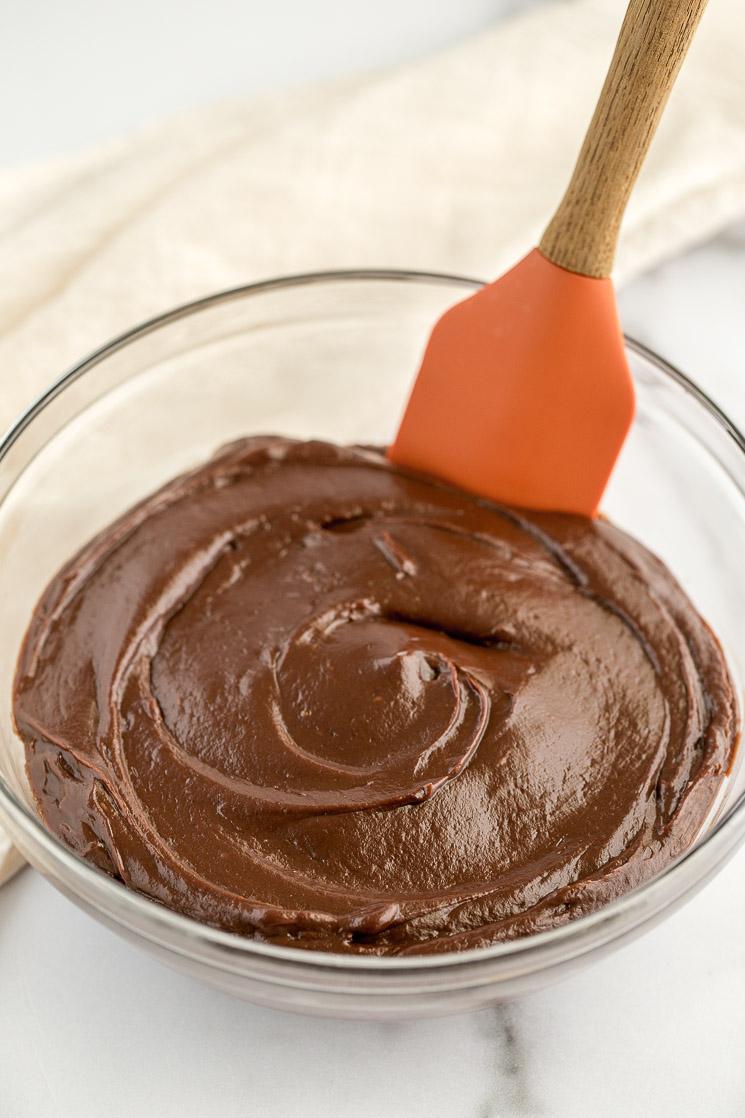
(333,356)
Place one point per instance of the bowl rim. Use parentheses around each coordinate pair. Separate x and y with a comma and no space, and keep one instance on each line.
(582,931)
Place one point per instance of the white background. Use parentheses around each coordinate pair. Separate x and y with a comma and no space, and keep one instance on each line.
(77,72)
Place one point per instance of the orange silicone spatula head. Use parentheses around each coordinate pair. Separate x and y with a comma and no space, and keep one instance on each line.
(524,394)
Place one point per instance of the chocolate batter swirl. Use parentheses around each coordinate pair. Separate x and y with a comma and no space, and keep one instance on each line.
(302,694)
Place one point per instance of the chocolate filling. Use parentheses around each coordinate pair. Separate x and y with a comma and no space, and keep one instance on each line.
(302,694)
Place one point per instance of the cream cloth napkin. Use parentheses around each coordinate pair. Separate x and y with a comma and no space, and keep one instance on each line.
(450,164)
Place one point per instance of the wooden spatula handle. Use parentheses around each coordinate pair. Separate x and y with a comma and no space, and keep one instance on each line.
(651,47)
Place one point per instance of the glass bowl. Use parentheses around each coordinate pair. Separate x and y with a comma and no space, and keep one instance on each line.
(333,356)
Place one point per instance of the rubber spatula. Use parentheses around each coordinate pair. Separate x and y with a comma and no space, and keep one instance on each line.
(524,395)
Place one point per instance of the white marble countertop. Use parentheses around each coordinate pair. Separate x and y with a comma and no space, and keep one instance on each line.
(91,1026)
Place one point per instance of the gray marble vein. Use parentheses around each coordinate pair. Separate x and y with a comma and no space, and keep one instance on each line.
(509,1090)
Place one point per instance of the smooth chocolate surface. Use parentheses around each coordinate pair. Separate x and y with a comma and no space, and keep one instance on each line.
(304,695)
